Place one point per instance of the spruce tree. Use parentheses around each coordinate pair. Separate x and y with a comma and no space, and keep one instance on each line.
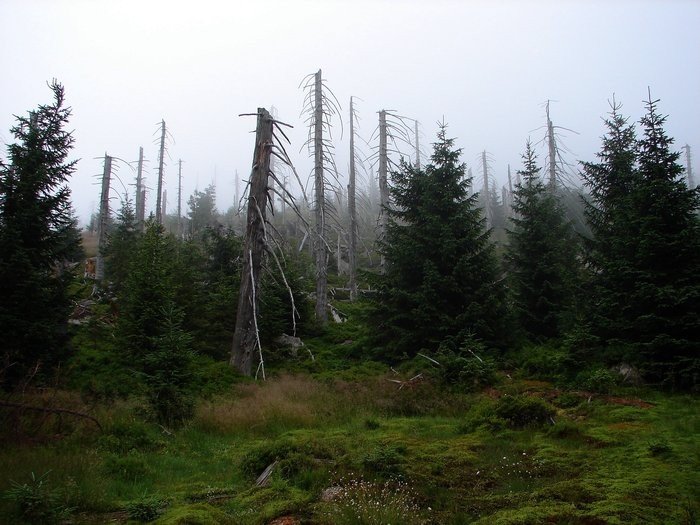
(442,281)
(38,236)
(541,256)
(665,300)
(644,252)
(150,333)
(121,245)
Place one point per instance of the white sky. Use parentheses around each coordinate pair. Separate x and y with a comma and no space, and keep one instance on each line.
(486,66)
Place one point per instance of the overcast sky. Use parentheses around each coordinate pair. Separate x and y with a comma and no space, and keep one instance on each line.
(487,67)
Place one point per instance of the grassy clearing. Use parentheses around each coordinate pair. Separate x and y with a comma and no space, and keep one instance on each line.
(419,455)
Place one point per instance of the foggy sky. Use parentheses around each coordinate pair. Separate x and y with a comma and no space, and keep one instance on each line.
(486,67)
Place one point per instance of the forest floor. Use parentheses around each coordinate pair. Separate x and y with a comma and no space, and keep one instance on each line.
(353,446)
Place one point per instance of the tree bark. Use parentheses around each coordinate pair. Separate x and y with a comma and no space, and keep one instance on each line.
(383,182)
(245,338)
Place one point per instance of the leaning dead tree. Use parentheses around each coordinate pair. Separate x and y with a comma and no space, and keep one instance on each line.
(320,110)
(246,352)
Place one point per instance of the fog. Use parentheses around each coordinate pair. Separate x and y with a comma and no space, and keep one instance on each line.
(486,68)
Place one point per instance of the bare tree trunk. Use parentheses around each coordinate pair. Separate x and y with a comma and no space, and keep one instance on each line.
(383,183)
(102,226)
(486,197)
(138,205)
(179,199)
(161,160)
(352,211)
(164,202)
(689,167)
(321,251)
(417,146)
(552,147)
(246,337)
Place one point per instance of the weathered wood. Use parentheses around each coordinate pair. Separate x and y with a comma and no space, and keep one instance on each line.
(161,160)
(245,338)
(264,478)
(102,225)
(320,245)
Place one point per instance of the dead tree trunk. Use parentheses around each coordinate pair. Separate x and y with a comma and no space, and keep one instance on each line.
(486,199)
(383,183)
(689,167)
(352,211)
(321,250)
(161,160)
(139,190)
(179,199)
(417,146)
(102,225)
(552,150)
(246,353)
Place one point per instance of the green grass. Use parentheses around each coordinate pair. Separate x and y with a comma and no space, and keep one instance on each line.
(600,463)
(416,455)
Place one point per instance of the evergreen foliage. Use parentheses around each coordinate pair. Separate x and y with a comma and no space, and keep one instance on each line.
(203,211)
(38,240)
(645,253)
(442,280)
(150,327)
(541,255)
(121,245)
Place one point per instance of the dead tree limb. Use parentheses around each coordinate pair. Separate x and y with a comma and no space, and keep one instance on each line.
(48,410)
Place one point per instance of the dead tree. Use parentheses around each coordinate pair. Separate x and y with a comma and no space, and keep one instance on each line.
(352,211)
(485,198)
(179,198)
(417,145)
(559,170)
(689,167)
(161,161)
(320,109)
(247,351)
(104,218)
(140,192)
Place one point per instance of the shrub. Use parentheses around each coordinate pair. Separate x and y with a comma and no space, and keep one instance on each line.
(384,460)
(147,508)
(523,411)
(599,380)
(37,502)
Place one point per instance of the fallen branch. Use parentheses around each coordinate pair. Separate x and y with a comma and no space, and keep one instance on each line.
(51,411)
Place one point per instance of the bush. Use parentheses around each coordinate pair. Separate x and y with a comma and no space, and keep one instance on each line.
(599,380)
(37,502)
(545,362)
(384,460)
(524,411)
(466,367)
(125,437)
